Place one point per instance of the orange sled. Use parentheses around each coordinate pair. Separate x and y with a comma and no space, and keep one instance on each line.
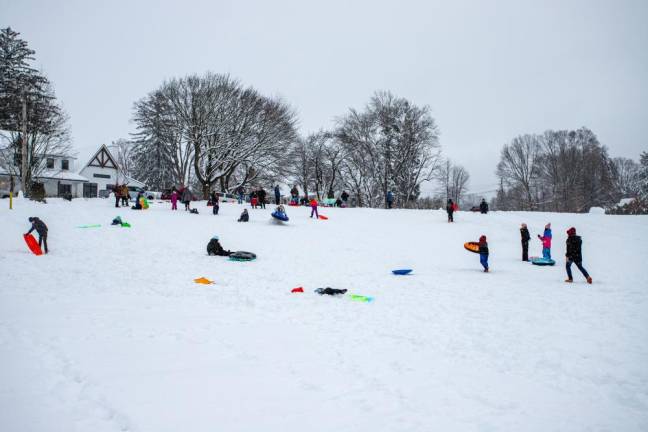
(32,244)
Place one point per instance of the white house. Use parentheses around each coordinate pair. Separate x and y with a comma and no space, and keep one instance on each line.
(57,173)
(103,174)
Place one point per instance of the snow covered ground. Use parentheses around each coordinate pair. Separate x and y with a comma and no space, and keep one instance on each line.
(109,332)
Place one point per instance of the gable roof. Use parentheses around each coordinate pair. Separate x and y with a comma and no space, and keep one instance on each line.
(102,159)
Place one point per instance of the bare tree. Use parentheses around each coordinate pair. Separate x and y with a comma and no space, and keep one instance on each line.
(518,166)
(626,176)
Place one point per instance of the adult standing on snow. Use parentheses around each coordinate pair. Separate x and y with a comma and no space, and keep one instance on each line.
(117,192)
(574,255)
(524,233)
(186,198)
(41,229)
(174,199)
(450,208)
(483,206)
(546,242)
(390,199)
(277,193)
(125,195)
(345,197)
(262,197)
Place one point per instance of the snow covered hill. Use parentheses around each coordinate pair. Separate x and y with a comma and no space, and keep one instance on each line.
(109,332)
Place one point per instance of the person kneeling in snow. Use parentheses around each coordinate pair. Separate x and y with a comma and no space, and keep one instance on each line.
(245,216)
(483,252)
(215,248)
(41,229)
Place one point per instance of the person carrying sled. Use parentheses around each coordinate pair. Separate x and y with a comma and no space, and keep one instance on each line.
(524,233)
(245,216)
(215,248)
(41,229)
(546,241)
(483,252)
(574,255)
(313,206)
(450,209)
(483,206)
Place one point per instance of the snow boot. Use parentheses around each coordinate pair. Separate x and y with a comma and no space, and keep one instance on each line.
(569,280)
(589,279)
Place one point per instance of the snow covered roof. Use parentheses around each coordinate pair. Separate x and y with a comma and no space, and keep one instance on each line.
(62,175)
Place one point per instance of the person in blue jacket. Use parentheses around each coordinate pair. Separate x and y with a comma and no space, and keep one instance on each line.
(390,199)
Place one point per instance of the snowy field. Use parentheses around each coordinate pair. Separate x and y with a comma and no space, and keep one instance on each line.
(110,333)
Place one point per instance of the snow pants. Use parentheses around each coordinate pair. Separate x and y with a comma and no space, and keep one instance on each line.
(525,251)
(579,264)
(483,259)
(314,211)
(546,253)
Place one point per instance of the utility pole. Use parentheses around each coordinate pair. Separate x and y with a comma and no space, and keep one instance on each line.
(23,176)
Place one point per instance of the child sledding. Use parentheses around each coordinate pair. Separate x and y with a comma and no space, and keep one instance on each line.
(214,248)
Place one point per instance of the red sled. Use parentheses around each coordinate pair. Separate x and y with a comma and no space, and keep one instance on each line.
(32,244)
(323,217)
(297,290)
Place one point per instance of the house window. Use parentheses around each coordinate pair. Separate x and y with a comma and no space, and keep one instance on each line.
(89,190)
(65,164)
(50,163)
(107,176)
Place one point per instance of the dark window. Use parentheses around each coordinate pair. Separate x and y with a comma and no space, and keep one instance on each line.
(64,190)
(65,164)
(50,163)
(89,190)
(101,175)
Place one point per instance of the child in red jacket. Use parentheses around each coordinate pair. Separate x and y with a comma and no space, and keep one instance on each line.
(313,205)
(483,252)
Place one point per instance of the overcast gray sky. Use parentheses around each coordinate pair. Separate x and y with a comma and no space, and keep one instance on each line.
(489,70)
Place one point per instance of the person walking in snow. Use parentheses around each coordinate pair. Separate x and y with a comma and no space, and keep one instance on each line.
(546,242)
(524,233)
(483,252)
(174,199)
(277,194)
(574,255)
(240,193)
(450,209)
(313,205)
(345,198)
(41,229)
(483,206)
(186,198)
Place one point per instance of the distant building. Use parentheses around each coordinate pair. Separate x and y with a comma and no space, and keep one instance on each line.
(102,173)
(56,172)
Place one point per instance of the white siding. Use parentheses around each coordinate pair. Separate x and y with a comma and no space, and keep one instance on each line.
(90,171)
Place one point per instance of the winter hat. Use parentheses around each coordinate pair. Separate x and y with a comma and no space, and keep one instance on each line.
(548,226)
(524,225)
(31,219)
(571,231)
(482,239)
(215,237)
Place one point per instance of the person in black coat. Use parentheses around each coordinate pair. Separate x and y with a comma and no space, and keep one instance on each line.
(450,209)
(277,193)
(524,233)
(41,229)
(483,206)
(261,195)
(245,216)
(215,248)
(574,255)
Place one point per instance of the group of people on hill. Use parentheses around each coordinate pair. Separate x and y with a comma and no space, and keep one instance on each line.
(122,195)
(573,254)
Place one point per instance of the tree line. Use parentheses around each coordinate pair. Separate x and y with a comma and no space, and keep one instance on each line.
(212,133)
